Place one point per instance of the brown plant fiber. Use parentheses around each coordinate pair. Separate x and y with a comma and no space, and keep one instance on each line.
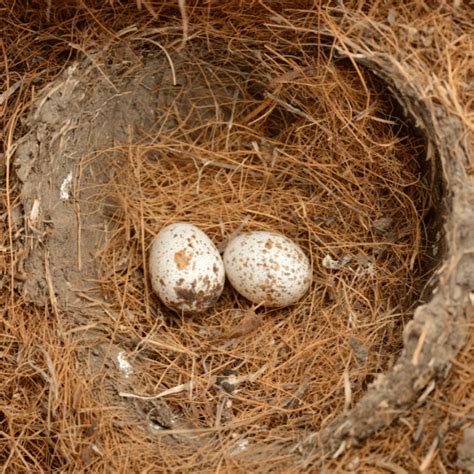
(119,120)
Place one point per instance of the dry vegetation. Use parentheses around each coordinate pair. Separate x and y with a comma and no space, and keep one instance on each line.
(303,142)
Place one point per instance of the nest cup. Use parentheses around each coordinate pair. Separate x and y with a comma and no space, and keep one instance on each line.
(258,128)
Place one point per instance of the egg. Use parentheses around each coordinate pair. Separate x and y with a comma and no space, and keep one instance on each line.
(267,267)
(186,269)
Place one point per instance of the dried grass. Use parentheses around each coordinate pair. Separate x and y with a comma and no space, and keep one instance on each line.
(312,148)
(323,185)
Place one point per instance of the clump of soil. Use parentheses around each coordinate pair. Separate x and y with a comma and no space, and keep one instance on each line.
(78,116)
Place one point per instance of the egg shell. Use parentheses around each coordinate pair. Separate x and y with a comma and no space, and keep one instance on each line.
(186,268)
(267,267)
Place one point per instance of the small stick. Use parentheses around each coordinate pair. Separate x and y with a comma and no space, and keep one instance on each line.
(184,17)
(347,391)
(419,346)
(340,450)
(170,391)
(292,109)
(429,455)
(389,466)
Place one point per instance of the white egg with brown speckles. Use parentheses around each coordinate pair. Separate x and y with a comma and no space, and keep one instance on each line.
(186,268)
(268,268)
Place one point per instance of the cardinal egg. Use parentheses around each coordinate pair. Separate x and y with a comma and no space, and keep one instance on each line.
(186,269)
(267,267)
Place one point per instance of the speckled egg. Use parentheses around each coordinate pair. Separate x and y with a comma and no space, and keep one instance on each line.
(186,268)
(267,267)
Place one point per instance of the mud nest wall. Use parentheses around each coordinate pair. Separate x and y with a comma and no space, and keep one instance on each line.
(235,118)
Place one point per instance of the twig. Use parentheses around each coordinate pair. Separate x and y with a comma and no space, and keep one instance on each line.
(293,109)
(428,459)
(347,391)
(170,391)
(419,347)
(184,18)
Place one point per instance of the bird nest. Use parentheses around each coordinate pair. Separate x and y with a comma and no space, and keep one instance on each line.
(233,120)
